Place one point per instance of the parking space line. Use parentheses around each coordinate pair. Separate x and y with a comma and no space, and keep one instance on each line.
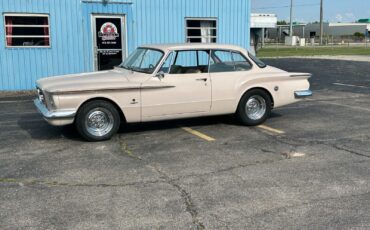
(198,134)
(349,85)
(267,128)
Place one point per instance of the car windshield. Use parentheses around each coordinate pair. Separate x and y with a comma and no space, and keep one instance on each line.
(260,63)
(143,60)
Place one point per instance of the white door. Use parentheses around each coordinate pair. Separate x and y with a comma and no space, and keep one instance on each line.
(191,91)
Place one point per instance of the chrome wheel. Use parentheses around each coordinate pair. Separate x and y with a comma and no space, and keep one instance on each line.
(99,122)
(255,107)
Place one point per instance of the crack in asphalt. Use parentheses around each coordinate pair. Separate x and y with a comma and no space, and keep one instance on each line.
(288,141)
(188,201)
(31,182)
(228,169)
(350,151)
(185,196)
(165,178)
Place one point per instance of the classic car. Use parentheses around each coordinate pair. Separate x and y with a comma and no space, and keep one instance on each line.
(163,82)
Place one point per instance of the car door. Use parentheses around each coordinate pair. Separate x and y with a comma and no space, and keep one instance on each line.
(188,92)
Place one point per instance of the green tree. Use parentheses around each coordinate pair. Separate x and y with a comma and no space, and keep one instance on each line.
(283,22)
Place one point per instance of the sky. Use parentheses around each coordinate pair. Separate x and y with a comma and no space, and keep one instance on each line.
(309,10)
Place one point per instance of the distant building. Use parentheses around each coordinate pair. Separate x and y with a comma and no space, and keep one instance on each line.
(336,29)
(260,23)
(312,30)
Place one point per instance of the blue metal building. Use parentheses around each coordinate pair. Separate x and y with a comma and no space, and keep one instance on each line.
(41,38)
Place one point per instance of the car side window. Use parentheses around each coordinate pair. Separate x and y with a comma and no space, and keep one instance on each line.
(221,61)
(240,62)
(167,63)
(190,62)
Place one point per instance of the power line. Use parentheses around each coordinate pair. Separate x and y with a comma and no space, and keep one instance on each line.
(278,7)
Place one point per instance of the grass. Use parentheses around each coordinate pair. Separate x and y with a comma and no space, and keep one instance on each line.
(312,51)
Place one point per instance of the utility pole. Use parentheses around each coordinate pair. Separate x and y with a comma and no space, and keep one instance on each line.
(291,19)
(321,22)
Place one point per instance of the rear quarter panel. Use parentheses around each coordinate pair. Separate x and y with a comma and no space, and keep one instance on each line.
(281,86)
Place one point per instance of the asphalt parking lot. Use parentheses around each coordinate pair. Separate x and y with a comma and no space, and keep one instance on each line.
(308,167)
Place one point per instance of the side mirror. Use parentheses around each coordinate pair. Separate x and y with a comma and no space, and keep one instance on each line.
(160,75)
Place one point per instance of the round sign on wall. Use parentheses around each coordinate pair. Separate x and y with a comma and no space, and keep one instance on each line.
(108,31)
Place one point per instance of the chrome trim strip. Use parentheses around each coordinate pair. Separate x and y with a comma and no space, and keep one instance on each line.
(303,94)
(301,75)
(50,115)
(112,89)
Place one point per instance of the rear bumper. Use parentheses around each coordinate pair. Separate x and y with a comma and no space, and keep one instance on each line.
(57,118)
(303,94)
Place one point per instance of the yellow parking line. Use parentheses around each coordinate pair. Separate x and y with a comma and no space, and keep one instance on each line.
(198,134)
(271,129)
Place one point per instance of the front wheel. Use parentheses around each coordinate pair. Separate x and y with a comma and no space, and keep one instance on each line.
(97,121)
(254,107)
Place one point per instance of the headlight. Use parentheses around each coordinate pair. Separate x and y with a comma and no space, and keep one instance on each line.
(46,98)
(41,95)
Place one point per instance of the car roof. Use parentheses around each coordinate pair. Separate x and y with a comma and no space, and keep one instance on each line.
(189,46)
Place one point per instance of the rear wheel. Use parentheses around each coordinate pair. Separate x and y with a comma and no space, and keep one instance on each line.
(97,121)
(254,107)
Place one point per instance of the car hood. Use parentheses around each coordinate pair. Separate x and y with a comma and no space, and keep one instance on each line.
(104,80)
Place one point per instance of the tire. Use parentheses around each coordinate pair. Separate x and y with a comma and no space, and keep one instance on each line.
(254,107)
(97,121)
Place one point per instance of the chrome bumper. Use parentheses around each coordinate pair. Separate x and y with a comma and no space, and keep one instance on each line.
(53,115)
(303,94)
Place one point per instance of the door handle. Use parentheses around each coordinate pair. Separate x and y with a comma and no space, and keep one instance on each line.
(202,79)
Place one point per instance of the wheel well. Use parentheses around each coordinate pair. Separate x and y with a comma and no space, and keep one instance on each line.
(122,116)
(266,91)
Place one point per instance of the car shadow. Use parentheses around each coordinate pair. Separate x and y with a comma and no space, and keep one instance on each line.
(41,130)
(175,124)
(275,115)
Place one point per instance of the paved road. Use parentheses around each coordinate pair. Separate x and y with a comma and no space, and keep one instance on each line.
(307,168)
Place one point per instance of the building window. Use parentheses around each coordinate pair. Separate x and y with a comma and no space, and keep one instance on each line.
(201,30)
(27,30)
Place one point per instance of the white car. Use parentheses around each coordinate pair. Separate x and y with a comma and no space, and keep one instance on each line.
(162,82)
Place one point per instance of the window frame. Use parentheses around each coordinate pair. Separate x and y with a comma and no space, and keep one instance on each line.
(209,59)
(241,54)
(256,60)
(232,57)
(158,65)
(27,26)
(176,53)
(194,28)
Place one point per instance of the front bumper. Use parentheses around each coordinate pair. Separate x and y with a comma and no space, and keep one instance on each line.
(58,118)
(303,94)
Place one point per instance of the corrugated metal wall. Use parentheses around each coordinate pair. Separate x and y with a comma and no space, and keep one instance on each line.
(21,67)
(164,20)
(148,21)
